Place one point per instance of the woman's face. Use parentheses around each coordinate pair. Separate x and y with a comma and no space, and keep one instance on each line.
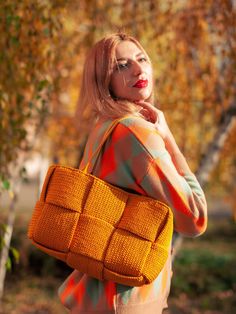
(132,76)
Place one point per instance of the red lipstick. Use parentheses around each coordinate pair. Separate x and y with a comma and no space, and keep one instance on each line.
(141,83)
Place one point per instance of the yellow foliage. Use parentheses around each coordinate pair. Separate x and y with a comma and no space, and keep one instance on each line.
(192,47)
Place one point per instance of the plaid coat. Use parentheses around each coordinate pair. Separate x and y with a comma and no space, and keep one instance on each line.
(134,157)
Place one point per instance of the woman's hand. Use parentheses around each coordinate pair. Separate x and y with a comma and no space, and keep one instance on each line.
(157,117)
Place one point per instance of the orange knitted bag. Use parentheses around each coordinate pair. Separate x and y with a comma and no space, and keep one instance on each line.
(99,229)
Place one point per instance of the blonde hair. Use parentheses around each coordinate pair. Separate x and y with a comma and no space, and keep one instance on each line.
(95,87)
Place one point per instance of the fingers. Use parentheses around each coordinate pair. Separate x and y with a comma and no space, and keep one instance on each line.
(149,111)
(145,113)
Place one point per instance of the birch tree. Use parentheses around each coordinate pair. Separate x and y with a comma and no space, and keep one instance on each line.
(28,32)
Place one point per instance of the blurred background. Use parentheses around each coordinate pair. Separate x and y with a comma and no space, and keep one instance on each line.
(192,45)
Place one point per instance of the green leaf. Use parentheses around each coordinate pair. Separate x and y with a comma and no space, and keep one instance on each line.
(17,22)
(42,84)
(46,32)
(16,254)
(8,264)
(3,227)
(6,184)
(9,20)
(14,40)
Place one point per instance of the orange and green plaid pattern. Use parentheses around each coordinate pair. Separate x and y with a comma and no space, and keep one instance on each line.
(134,158)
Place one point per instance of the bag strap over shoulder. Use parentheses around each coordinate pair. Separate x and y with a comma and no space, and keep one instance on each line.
(104,138)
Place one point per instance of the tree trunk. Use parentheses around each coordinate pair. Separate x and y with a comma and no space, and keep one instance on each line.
(210,159)
(7,240)
(212,156)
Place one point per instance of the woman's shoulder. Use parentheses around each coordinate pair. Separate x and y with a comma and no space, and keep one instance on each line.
(136,122)
(133,128)
(134,125)
(143,130)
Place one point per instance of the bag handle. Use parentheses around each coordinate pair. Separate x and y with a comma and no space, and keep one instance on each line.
(105,136)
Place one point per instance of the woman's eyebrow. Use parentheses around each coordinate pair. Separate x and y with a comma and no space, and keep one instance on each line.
(137,55)
(121,59)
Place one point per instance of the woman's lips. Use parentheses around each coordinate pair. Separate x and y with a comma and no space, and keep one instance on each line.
(141,83)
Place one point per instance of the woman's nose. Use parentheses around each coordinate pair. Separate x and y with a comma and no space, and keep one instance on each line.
(137,68)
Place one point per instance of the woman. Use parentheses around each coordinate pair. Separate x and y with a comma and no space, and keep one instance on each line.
(140,155)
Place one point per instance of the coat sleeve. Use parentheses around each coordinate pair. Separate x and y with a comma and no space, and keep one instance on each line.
(182,192)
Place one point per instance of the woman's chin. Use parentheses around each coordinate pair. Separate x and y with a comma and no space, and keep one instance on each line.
(140,99)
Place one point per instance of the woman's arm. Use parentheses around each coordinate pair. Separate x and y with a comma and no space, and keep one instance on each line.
(170,178)
(135,157)
(181,192)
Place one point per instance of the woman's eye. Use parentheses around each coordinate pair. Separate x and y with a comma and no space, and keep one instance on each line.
(122,66)
(143,59)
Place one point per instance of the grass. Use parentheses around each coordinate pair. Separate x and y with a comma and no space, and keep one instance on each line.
(27,294)
(204,275)
(204,279)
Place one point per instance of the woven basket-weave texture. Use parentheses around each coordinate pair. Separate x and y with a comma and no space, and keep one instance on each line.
(100,229)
